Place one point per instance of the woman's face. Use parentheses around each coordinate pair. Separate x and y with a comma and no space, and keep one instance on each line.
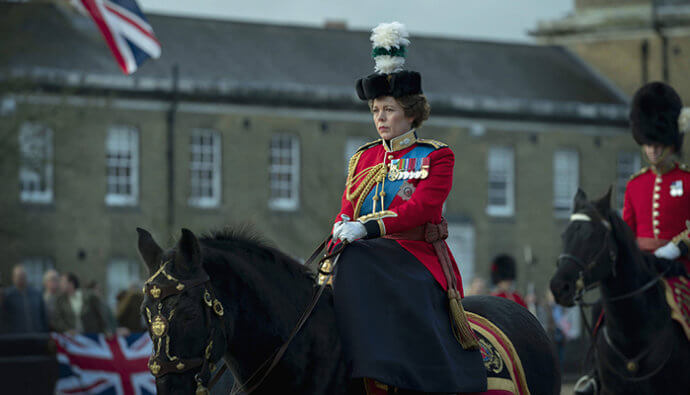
(655,153)
(389,117)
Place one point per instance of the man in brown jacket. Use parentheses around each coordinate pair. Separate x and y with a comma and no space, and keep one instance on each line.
(77,310)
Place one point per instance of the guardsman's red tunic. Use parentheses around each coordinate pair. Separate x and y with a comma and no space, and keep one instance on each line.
(390,205)
(657,207)
(514,296)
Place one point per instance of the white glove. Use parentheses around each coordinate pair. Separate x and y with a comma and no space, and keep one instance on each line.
(337,228)
(352,231)
(669,251)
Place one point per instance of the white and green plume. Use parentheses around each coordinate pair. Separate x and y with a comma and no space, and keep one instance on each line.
(390,42)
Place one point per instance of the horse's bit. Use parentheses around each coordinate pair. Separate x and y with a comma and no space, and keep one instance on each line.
(160,364)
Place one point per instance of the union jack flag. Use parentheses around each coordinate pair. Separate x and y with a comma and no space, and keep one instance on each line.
(126,31)
(91,364)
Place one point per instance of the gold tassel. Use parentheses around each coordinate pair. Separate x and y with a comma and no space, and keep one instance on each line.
(461,327)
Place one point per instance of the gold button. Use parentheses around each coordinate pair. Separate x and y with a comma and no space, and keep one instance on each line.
(657,188)
(656,196)
(656,231)
(656,205)
(656,222)
(390,156)
(658,180)
(655,213)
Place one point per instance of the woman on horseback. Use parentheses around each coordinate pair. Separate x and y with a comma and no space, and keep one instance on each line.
(396,277)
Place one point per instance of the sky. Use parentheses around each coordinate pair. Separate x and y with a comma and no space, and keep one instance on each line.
(496,20)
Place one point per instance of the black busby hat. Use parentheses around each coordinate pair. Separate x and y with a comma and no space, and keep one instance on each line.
(655,116)
(502,268)
(390,47)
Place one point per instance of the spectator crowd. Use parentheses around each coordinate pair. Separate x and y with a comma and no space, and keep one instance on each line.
(63,305)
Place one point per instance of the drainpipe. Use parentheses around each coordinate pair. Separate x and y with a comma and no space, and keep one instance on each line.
(172,112)
(656,25)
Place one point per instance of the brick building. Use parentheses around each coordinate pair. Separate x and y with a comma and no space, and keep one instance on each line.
(241,122)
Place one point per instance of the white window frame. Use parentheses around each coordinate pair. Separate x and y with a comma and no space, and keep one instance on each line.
(351,145)
(627,164)
(501,169)
(566,180)
(35,267)
(462,243)
(279,149)
(122,139)
(36,163)
(205,157)
(121,274)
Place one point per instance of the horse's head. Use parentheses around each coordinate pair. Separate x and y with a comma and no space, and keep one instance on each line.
(589,249)
(184,318)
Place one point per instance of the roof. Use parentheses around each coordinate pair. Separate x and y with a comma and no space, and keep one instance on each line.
(231,61)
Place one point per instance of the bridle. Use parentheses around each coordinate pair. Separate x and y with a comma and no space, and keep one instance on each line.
(585,268)
(162,363)
(631,364)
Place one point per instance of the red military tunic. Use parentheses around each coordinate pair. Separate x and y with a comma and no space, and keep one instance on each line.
(657,207)
(416,202)
(514,296)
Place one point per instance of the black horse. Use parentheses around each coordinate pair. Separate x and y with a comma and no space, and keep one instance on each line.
(230,296)
(639,349)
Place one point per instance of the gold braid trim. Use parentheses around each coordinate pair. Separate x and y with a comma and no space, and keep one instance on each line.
(683,236)
(369,177)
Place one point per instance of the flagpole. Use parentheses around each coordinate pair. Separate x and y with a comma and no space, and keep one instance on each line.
(172,111)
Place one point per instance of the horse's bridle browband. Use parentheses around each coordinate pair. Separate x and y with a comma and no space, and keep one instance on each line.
(161,364)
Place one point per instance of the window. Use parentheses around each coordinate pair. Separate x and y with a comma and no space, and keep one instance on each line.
(501,182)
(461,243)
(122,166)
(205,168)
(122,274)
(36,166)
(284,173)
(35,267)
(566,179)
(627,164)
(351,145)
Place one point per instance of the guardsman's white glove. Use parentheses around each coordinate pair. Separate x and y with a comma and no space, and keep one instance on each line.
(668,251)
(338,226)
(352,231)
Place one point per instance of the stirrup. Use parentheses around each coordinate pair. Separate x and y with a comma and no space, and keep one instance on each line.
(586,385)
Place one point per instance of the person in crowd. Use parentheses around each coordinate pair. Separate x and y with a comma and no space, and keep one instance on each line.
(477,287)
(77,310)
(51,288)
(95,288)
(22,305)
(128,309)
(503,273)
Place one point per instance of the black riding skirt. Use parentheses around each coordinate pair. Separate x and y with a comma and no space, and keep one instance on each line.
(393,318)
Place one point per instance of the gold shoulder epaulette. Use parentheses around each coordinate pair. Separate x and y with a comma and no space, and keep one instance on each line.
(639,173)
(368,145)
(684,167)
(434,143)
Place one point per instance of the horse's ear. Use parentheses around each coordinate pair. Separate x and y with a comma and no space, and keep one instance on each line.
(603,204)
(149,250)
(580,200)
(188,252)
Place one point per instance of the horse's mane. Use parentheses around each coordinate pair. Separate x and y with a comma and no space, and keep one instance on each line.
(248,241)
(625,238)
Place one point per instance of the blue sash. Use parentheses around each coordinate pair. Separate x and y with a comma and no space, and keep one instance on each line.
(391,187)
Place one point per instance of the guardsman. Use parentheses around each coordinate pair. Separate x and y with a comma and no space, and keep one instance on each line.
(503,273)
(657,198)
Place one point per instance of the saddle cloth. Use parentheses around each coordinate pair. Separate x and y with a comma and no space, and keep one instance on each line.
(678,298)
(505,375)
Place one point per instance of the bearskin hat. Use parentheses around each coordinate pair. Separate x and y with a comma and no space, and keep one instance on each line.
(389,41)
(502,268)
(654,116)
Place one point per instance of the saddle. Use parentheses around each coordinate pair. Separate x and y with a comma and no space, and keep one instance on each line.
(678,299)
(505,375)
